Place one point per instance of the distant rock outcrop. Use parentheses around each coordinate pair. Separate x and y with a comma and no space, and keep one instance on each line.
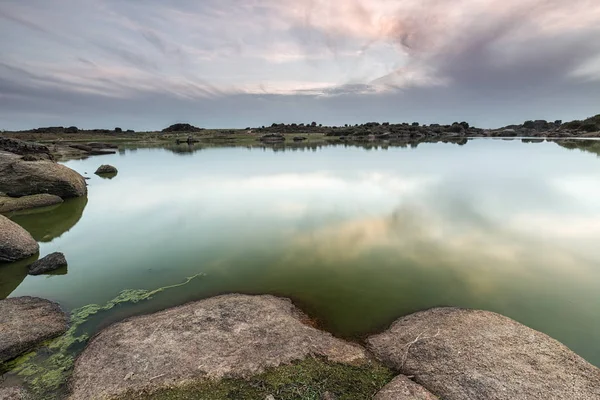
(15,242)
(23,148)
(182,128)
(464,354)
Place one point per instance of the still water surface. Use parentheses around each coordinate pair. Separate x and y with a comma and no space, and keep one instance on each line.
(356,237)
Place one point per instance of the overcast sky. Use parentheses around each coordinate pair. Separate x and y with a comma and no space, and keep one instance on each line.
(236,63)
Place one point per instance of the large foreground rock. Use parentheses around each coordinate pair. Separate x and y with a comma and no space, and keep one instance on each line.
(8,204)
(402,388)
(15,242)
(460,354)
(23,178)
(232,335)
(26,322)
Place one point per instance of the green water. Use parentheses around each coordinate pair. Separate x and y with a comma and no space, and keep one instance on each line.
(356,237)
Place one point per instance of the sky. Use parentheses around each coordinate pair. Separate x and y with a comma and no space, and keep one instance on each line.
(147,64)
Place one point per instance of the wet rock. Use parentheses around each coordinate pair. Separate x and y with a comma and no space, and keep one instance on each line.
(27,321)
(8,204)
(49,263)
(463,354)
(299,138)
(15,242)
(81,147)
(402,388)
(19,178)
(106,169)
(232,335)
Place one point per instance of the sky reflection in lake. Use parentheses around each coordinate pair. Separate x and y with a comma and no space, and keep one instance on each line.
(356,237)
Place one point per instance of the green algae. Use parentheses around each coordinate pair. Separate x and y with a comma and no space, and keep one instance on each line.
(46,371)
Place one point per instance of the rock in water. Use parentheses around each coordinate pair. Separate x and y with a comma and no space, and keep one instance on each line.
(232,335)
(15,242)
(49,263)
(460,354)
(402,388)
(23,178)
(27,321)
(106,169)
(8,204)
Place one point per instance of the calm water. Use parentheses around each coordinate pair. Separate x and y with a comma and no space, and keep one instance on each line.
(356,237)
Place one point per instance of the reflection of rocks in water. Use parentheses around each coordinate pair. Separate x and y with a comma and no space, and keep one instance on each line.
(50,223)
(11,275)
(108,176)
(184,148)
(590,146)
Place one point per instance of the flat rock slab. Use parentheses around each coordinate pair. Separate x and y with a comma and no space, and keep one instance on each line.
(15,242)
(49,263)
(460,354)
(26,322)
(23,178)
(224,336)
(402,388)
(8,204)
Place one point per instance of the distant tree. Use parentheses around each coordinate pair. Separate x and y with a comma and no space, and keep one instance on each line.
(118,130)
(456,128)
(558,122)
(465,125)
(313,124)
(320,125)
(529,125)
(415,124)
(71,129)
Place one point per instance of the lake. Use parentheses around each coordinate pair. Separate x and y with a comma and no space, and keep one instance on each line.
(356,237)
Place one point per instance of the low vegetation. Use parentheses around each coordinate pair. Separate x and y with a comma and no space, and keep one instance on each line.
(310,379)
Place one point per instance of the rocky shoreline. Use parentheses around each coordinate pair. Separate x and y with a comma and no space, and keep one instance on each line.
(257,347)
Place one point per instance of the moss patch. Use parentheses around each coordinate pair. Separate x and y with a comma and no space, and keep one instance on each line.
(309,379)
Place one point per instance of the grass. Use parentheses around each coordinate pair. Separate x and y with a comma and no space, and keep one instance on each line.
(309,379)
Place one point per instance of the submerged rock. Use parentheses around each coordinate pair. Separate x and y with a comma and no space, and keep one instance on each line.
(15,242)
(49,263)
(225,336)
(402,388)
(106,169)
(463,354)
(27,321)
(8,204)
(21,178)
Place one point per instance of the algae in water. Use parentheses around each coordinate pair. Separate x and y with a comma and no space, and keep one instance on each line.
(46,371)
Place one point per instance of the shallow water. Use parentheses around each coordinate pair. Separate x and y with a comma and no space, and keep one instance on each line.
(356,237)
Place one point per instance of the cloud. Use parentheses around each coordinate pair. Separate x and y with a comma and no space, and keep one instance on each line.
(368,60)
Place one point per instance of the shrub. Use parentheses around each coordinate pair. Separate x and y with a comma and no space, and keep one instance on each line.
(464,125)
(456,128)
(118,130)
(589,127)
(529,125)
